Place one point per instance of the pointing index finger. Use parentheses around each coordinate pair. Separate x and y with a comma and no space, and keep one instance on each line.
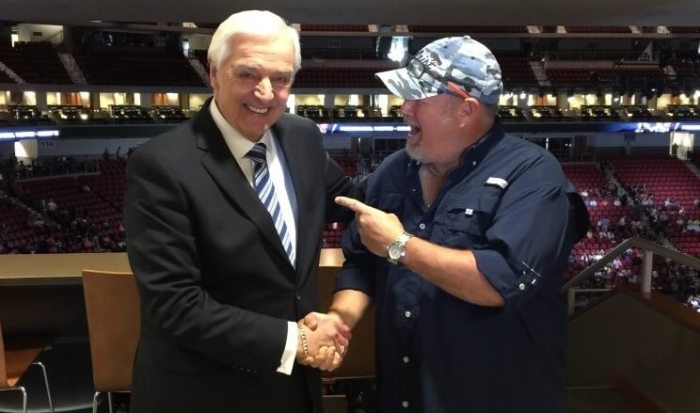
(353,204)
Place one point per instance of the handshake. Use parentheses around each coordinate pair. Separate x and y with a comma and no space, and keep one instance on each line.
(323,341)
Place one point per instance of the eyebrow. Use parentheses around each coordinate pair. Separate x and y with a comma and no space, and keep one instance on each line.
(255,67)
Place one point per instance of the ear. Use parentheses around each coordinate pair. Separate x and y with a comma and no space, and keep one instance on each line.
(213,79)
(468,108)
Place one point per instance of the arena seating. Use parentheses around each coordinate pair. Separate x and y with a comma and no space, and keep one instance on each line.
(138,68)
(35,62)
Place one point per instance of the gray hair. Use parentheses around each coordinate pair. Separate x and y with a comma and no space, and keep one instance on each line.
(253,22)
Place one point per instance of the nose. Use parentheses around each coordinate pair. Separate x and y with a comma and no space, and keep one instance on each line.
(263,90)
(407,107)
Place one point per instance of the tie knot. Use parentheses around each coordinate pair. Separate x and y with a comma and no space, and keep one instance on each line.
(257,153)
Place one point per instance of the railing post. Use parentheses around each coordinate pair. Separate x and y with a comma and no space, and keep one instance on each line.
(571,299)
(646,271)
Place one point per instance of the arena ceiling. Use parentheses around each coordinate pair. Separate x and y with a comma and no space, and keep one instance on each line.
(424,12)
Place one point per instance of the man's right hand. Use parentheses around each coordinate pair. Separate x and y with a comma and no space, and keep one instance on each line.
(327,340)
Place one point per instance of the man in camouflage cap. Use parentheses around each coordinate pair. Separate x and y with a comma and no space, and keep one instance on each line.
(465,266)
(446,63)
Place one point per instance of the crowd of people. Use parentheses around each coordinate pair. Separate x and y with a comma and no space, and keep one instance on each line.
(50,227)
(644,217)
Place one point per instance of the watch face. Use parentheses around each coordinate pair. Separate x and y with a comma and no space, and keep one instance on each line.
(395,250)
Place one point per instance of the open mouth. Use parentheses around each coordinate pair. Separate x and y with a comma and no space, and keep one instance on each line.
(414,130)
(261,111)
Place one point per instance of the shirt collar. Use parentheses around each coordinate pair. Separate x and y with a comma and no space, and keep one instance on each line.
(476,152)
(236,142)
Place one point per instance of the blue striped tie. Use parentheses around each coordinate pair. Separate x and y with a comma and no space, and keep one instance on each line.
(266,192)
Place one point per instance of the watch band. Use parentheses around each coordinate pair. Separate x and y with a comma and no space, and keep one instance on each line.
(397,249)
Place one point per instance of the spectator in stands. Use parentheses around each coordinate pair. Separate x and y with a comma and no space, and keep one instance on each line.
(51,205)
(670,203)
(220,289)
(477,234)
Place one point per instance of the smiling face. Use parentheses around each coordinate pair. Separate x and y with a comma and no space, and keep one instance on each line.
(436,129)
(252,85)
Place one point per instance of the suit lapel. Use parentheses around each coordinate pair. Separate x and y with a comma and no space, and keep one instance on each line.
(225,171)
(297,165)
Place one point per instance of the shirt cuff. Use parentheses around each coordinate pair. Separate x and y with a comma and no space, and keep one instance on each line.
(289,354)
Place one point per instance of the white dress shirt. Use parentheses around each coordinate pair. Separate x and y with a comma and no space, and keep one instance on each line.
(239,147)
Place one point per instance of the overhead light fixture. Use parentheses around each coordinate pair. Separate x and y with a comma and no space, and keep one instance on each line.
(398,49)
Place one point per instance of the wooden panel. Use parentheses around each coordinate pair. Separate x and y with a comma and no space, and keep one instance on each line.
(360,358)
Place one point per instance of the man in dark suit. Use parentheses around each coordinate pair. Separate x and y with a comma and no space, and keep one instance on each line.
(224,215)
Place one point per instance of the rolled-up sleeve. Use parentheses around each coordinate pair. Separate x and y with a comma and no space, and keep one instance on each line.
(526,240)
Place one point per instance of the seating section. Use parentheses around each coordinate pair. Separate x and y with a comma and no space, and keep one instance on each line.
(683,29)
(662,177)
(516,71)
(78,213)
(466,29)
(70,193)
(337,78)
(111,185)
(35,62)
(586,177)
(332,235)
(137,69)
(344,53)
(604,77)
(673,196)
(598,29)
(4,78)
(17,229)
(334,28)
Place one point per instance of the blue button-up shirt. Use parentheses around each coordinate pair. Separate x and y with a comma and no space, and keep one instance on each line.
(437,353)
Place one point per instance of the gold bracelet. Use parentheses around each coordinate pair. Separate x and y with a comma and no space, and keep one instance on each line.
(304,342)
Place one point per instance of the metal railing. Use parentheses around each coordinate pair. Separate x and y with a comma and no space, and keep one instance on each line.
(648,248)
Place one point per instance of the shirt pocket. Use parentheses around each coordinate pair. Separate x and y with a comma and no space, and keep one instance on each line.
(465,221)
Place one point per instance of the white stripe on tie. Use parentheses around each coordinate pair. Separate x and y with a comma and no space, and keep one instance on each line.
(266,192)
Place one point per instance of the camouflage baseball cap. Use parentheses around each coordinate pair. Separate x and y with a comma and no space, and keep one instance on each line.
(445,64)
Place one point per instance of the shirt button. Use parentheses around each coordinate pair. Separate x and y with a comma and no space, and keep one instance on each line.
(298,297)
(473,163)
(421,226)
(404,404)
(407,314)
(406,359)
(522,287)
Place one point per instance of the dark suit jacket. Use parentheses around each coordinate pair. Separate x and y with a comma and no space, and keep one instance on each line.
(215,284)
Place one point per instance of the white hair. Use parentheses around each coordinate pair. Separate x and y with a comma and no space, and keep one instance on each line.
(252,22)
